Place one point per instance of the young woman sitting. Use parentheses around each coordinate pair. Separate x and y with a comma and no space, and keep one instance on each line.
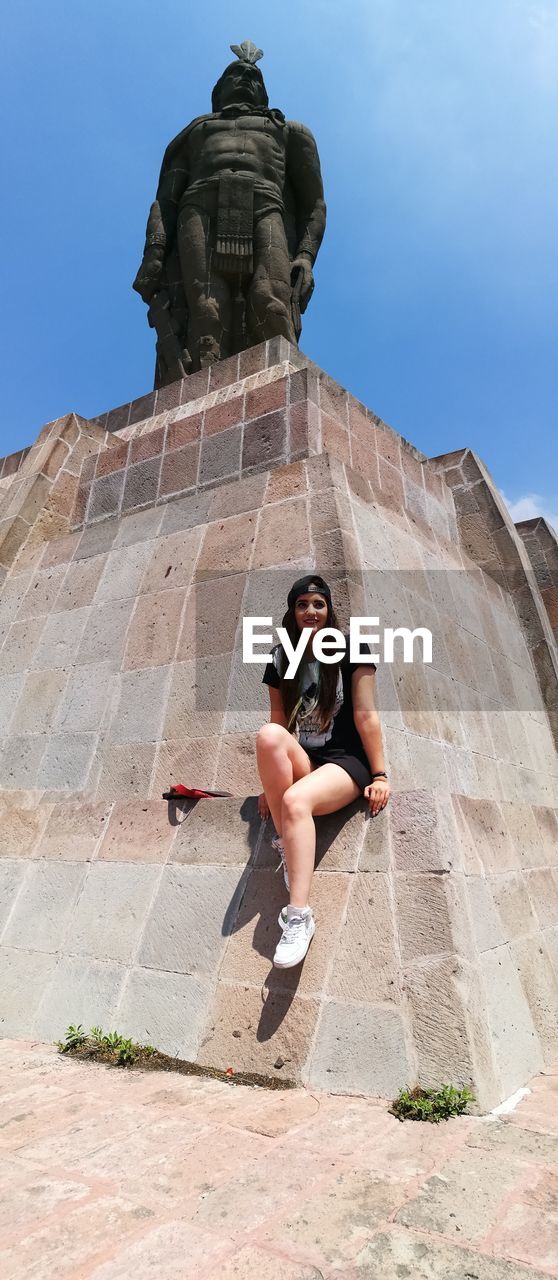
(321,750)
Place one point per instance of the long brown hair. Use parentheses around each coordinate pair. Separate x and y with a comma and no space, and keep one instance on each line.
(328,672)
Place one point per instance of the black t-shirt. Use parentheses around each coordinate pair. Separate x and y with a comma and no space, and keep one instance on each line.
(341,734)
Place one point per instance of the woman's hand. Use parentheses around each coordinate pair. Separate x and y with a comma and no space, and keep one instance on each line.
(377,794)
(263,807)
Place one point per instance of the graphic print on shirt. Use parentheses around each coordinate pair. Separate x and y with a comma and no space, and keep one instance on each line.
(309,731)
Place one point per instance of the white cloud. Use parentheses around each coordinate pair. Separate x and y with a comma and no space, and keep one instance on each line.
(531,505)
(543,21)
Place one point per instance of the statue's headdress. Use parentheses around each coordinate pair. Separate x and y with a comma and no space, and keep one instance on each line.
(248,53)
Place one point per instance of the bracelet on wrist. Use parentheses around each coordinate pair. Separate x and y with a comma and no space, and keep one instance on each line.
(379,775)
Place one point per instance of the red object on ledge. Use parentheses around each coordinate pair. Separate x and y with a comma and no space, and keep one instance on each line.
(179,792)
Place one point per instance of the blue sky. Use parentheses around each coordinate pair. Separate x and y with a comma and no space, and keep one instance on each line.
(437,283)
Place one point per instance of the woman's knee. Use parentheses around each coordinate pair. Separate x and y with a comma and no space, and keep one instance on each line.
(271,737)
(296,803)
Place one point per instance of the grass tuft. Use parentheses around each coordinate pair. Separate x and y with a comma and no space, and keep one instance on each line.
(108,1046)
(118,1051)
(431,1104)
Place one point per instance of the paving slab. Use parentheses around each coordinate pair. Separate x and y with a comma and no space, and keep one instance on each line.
(526,1144)
(111,1174)
(335,1218)
(396,1254)
(539,1110)
(62,1245)
(173,1251)
(177,1177)
(528,1229)
(252,1261)
(464,1197)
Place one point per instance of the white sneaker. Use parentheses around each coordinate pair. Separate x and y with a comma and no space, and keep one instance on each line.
(277,844)
(296,938)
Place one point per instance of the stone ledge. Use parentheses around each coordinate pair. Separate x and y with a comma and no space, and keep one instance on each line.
(275,417)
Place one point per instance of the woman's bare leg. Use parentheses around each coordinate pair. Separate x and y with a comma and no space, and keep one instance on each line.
(326,790)
(281,762)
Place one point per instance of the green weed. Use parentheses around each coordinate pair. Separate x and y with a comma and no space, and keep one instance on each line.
(109,1045)
(112,1049)
(431,1104)
(75,1038)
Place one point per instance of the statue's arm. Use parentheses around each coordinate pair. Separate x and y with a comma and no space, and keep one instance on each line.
(161,223)
(305,176)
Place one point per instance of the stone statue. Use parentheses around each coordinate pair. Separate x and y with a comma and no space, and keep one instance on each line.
(234,230)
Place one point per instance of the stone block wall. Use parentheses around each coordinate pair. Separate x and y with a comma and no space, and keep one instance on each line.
(10,464)
(435,956)
(132,546)
(491,540)
(541,544)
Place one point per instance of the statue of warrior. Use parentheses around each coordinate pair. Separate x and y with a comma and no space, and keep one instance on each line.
(234,230)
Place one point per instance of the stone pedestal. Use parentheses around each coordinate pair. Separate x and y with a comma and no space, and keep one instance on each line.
(131,547)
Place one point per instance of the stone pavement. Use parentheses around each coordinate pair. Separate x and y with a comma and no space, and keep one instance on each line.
(107,1174)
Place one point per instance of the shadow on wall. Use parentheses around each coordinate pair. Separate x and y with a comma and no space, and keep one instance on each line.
(261,894)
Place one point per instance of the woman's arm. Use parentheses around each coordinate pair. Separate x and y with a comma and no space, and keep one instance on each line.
(366,717)
(367,723)
(276,709)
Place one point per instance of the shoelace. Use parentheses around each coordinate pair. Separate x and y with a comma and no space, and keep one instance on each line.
(293,928)
(277,844)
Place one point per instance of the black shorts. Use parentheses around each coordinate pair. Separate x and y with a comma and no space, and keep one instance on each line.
(358,771)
